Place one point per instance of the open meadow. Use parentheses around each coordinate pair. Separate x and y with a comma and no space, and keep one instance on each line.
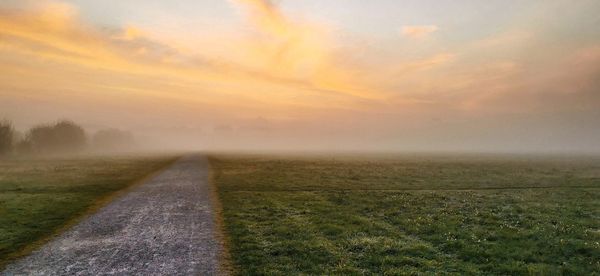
(38,197)
(300,137)
(400,215)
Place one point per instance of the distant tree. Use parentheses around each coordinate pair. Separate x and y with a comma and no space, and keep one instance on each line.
(7,135)
(41,139)
(71,137)
(113,140)
(62,137)
(17,136)
(24,147)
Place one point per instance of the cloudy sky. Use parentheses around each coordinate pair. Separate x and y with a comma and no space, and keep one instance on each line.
(495,75)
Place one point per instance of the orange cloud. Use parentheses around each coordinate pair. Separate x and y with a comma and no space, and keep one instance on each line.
(287,69)
(301,51)
(279,67)
(418,31)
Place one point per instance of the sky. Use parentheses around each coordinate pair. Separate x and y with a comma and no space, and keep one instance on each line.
(382,75)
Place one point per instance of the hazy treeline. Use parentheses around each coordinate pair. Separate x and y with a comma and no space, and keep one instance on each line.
(63,137)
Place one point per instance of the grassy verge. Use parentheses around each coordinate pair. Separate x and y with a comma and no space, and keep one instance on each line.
(397,215)
(40,197)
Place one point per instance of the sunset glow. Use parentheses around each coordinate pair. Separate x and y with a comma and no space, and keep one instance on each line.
(248,74)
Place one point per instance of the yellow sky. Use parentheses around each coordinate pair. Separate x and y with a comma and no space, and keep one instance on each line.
(284,78)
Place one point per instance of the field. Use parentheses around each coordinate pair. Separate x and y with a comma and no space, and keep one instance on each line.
(39,197)
(404,215)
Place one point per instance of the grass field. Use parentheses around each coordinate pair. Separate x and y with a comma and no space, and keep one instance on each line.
(403,215)
(38,197)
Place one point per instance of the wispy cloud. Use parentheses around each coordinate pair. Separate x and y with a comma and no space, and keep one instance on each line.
(418,31)
(300,50)
(289,64)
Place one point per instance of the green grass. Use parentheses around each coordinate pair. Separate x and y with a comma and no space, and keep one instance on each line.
(38,197)
(410,215)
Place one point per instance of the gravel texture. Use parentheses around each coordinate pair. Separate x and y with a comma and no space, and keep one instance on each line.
(164,226)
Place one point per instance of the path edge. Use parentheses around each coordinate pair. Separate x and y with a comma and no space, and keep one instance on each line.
(226,266)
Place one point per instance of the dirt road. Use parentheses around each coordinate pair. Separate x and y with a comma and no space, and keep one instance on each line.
(164,226)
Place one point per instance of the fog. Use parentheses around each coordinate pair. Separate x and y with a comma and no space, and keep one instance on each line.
(516,136)
(300,76)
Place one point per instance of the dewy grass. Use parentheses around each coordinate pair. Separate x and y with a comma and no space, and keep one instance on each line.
(401,215)
(38,197)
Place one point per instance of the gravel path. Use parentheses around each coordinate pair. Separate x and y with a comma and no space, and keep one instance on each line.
(164,226)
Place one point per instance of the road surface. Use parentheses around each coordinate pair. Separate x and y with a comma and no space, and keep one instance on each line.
(164,226)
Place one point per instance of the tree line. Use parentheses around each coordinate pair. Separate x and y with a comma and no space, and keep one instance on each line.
(62,137)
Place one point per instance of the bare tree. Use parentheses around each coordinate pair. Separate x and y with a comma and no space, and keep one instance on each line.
(7,135)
